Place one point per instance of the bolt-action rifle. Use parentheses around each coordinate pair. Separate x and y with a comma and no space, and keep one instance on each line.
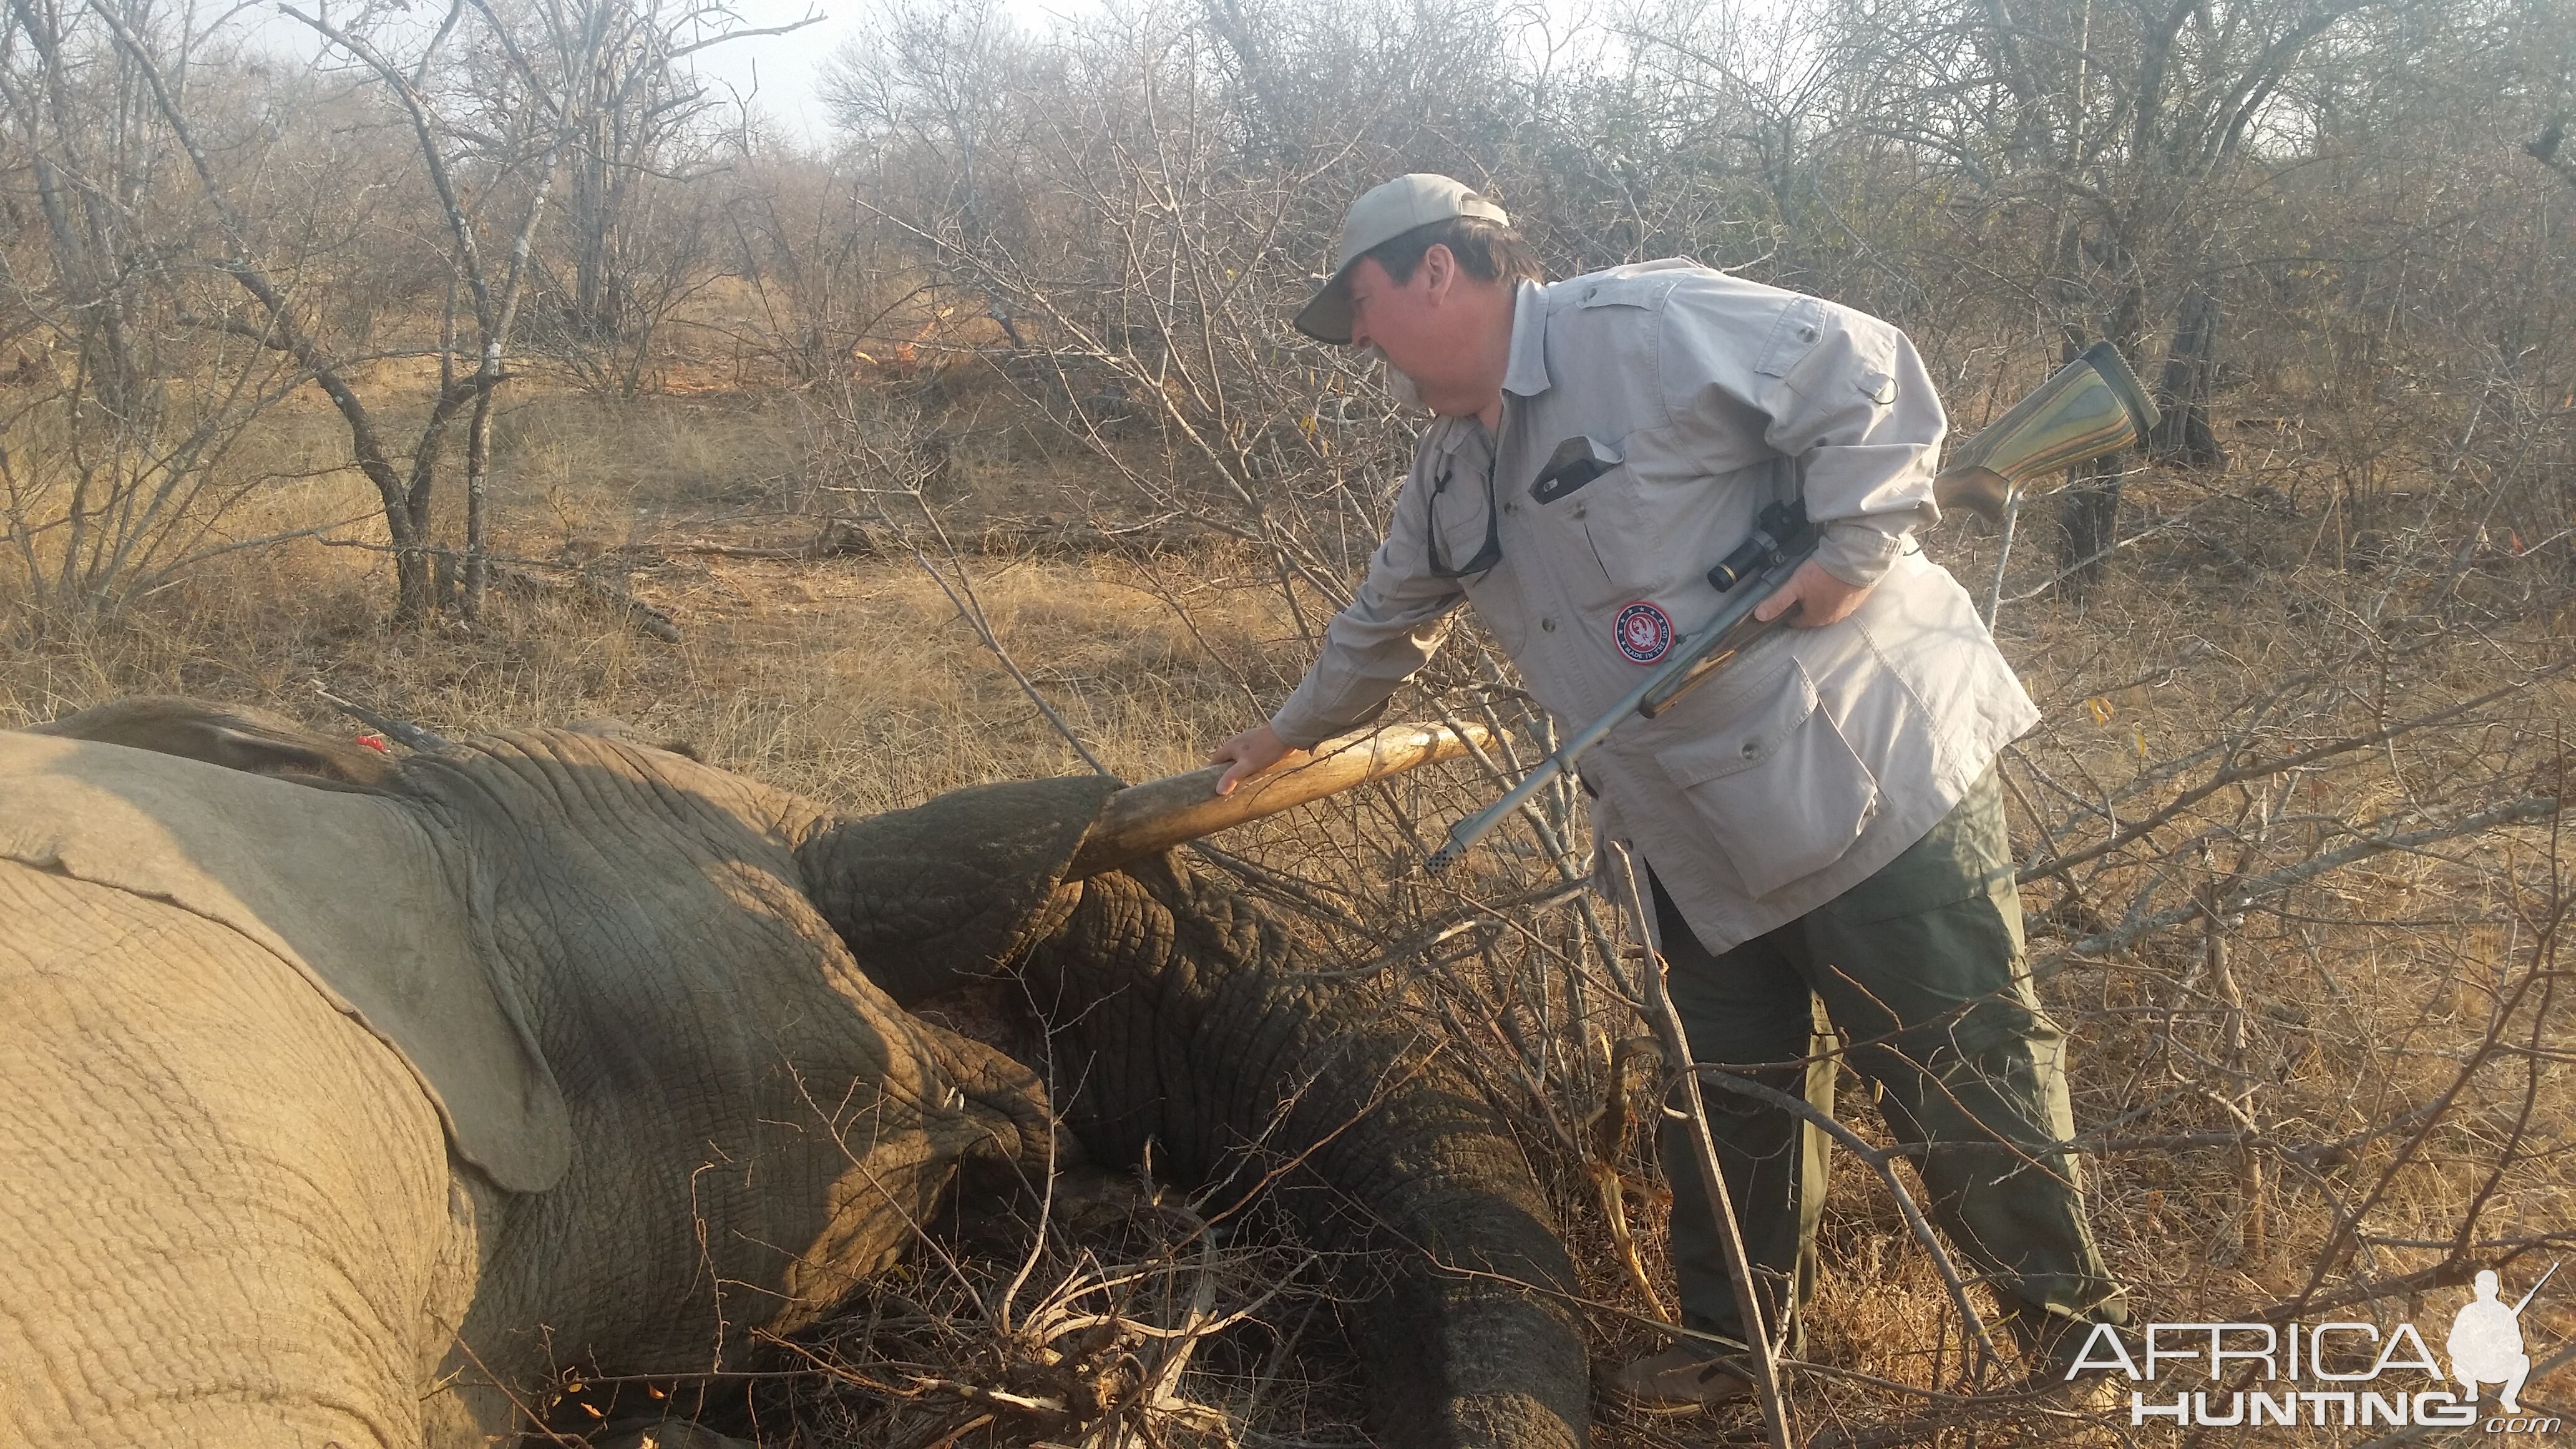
(2090,408)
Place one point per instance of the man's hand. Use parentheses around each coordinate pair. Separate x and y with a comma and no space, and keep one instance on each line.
(1249,753)
(1818,596)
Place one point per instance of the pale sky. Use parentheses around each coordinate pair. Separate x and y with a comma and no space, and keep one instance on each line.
(785,66)
(779,74)
(784,69)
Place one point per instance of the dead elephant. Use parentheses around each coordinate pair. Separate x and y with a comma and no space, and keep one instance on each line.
(342,1095)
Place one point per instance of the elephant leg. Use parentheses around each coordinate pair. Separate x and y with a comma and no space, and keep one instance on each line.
(227,1202)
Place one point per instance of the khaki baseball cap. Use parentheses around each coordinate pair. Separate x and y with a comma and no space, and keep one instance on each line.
(1382,214)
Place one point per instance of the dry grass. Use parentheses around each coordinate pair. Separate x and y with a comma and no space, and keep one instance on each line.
(2358,998)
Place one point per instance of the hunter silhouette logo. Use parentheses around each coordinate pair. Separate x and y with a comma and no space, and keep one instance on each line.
(2486,1341)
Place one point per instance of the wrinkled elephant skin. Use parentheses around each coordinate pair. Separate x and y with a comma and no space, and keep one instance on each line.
(342,1100)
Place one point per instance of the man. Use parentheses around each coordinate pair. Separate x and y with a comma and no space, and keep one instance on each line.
(1820,824)
(2486,1344)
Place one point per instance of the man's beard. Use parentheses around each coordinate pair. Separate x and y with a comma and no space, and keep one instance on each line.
(1398,386)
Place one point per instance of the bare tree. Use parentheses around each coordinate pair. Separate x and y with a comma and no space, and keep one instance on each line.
(642,132)
(132,480)
(2113,137)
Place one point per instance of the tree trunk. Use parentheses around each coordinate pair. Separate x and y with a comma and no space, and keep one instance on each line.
(2088,514)
(2088,518)
(2183,435)
(478,458)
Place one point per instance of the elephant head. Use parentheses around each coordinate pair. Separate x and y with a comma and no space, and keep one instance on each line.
(1181,1021)
(627,1036)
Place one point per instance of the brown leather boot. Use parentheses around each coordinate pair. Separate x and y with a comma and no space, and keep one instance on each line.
(1682,1379)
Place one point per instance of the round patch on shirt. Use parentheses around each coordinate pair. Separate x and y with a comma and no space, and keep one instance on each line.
(1644,632)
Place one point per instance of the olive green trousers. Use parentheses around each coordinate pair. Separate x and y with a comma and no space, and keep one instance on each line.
(1916,976)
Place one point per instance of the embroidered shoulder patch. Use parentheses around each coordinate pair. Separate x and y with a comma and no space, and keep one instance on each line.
(1644,633)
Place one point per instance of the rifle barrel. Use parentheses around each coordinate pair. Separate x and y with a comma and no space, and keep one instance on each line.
(2535,1290)
(1694,646)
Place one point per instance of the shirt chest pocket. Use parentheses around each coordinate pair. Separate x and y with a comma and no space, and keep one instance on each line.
(1652,526)
(1590,508)
(1606,560)
(1778,785)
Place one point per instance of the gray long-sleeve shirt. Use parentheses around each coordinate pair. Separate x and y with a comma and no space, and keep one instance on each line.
(1819,755)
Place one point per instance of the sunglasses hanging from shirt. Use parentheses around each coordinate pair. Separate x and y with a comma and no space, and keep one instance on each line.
(1487,556)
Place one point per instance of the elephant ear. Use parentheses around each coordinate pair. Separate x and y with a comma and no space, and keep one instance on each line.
(235,736)
(348,889)
(932,898)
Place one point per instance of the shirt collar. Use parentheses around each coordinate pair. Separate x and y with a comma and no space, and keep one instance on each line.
(1525,374)
(1447,435)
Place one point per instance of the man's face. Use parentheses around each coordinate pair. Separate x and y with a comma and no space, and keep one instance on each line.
(1401,321)
(1444,330)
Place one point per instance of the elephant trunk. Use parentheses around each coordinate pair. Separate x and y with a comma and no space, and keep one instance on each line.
(1176,1022)
(934,898)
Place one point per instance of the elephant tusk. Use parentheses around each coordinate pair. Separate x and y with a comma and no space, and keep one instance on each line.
(1145,820)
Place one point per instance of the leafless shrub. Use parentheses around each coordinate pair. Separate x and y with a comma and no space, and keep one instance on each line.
(122,423)
(1126,1323)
